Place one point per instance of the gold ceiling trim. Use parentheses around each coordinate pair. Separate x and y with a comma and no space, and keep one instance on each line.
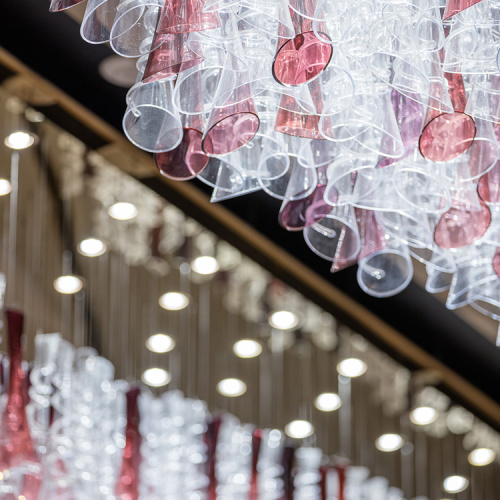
(276,260)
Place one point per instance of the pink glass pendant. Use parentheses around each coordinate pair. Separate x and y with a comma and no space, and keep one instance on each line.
(446,136)
(186,16)
(187,160)
(127,487)
(456,6)
(496,262)
(304,57)
(301,59)
(459,227)
(230,127)
(488,186)
(409,117)
(292,120)
(296,215)
(172,56)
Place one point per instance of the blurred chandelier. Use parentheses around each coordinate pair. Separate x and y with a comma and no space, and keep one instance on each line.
(375,122)
(77,434)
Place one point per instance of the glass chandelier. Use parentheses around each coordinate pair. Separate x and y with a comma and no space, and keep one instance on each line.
(374,121)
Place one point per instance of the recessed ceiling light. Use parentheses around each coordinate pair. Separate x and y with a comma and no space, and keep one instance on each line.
(231,387)
(160,343)
(5,187)
(352,367)
(455,484)
(156,377)
(423,415)
(299,429)
(247,348)
(173,301)
(205,265)
(481,456)
(68,284)
(92,247)
(20,140)
(389,442)
(122,211)
(283,320)
(328,401)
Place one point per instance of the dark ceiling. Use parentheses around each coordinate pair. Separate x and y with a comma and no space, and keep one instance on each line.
(50,44)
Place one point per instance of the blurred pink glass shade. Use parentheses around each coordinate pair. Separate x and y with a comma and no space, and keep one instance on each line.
(172,56)
(301,59)
(296,215)
(19,446)
(371,232)
(460,227)
(230,127)
(456,6)
(187,160)
(186,16)
(446,136)
(16,446)
(336,487)
(211,439)
(292,120)
(58,5)
(341,473)
(127,487)
(496,262)
(253,493)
